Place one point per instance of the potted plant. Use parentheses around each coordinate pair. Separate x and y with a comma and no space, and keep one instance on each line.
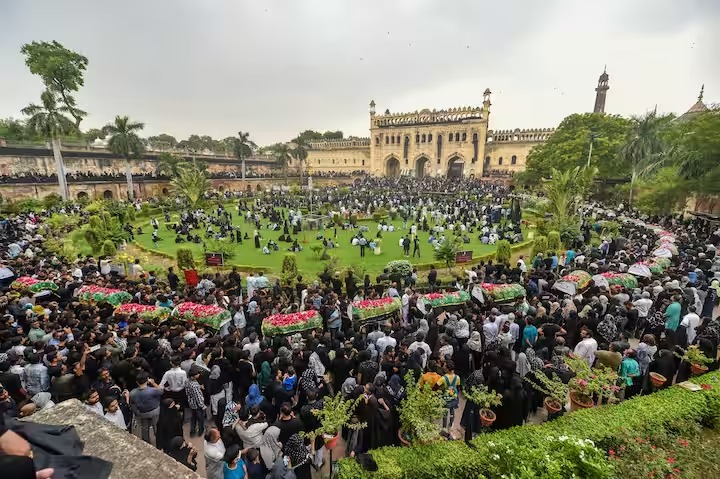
(419,413)
(696,359)
(553,388)
(335,413)
(580,387)
(657,379)
(485,399)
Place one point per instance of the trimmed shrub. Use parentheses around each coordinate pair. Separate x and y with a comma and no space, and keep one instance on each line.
(108,248)
(553,241)
(540,245)
(289,269)
(503,253)
(399,267)
(185,259)
(353,219)
(537,450)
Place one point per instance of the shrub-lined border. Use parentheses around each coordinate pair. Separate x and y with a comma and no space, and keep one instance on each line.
(664,410)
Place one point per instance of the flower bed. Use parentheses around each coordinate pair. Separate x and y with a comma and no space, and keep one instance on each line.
(148,312)
(33,285)
(209,315)
(438,300)
(649,415)
(373,308)
(279,324)
(625,280)
(503,292)
(109,295)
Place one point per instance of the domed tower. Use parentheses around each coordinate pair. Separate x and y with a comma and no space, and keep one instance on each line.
(601,94)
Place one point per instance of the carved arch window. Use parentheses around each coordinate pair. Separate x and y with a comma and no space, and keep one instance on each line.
(417,138)
(513,160)
(487,161)
(377,140)
(424,138)
(392,140)
(450,136)
(387,140)
(457,136)
(429,137)
(500,161)
(464,136)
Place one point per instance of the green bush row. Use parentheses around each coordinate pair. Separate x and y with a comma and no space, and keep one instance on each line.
(671,410)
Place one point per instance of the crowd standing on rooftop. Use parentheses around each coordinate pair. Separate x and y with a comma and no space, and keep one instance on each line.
(251,397)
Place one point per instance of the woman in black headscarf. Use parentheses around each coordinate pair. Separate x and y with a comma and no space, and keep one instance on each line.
(383,432)
(664,364)
(182,452)
(169,424)
(294,448)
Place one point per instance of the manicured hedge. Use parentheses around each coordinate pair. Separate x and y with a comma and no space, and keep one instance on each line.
(670,410)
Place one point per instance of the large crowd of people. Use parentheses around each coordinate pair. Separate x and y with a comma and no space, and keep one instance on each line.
(251,397)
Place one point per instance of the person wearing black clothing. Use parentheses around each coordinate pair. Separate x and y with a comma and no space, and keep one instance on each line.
(173,279)
(287,423)
(11,382)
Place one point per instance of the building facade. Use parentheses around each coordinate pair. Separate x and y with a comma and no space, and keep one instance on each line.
(455,142)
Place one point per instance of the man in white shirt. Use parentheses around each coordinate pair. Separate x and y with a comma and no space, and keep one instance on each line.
(490,329)
(214,452)
(383,342)
(420,343)
(521,264)
(175,379)
(253,346)
(114,414)
(587,347)
(691,321)
(643,305)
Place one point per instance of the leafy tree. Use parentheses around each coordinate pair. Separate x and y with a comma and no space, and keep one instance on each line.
(62,71)
(446,252)
(566,191)
(696,149)
(662,193)
(169,164)
(243,148)
(289,270)
(17,130)
(93,134)
(569,147)
(299,152)
(163,141)
(333,135)
(283,158)
(503,252)
(645,150)
(124,141)
(49,120)
(184,258)
(191,183)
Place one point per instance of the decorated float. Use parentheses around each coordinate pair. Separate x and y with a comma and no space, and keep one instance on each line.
(107,295)
(374,308)
(279,324)
(439,300)
(33,285)
(212,316)
(500,293)
(610,279)
(573,283)
(148,312)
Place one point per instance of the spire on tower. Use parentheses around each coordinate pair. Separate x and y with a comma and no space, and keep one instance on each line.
(601,90)
(702,92)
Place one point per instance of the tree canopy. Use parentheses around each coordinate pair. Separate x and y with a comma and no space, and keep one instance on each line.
(124,139)
(569,146)
(62,71)
(50,118)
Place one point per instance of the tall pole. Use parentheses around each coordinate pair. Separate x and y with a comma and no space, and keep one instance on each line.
(592,139)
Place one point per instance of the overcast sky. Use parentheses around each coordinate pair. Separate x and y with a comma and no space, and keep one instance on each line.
(277,67)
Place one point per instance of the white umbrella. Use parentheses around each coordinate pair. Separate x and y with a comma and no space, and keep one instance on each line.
(565,287)
(662,253)
(601,281)
(641,270)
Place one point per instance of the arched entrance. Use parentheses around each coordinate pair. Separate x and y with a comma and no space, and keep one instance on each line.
(455,167)
(392,167)
(421,167)
(82,195)
(258,188)
(165,191)
(108,195)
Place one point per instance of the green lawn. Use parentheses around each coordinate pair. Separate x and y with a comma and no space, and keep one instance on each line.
(308,263)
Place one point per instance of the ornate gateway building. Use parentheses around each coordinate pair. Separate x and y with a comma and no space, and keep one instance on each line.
(454,142)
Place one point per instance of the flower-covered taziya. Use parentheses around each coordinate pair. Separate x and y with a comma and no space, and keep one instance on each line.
(99,294)
(437,300)
(278,324)
(373,308)
(625,280)
(581,279)
(207,314)
(503,292)
(33,285)
(148,312)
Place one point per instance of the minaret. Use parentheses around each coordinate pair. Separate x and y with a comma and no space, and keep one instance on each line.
(601,94)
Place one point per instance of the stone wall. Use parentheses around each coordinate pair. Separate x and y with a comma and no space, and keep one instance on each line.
(131,457)
(145,188)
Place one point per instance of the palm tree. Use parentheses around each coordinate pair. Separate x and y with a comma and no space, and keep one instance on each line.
(49,120)
(644,149)
(124,141)
(242,148)
(169,164)
(283,158)
(191,183)
(299,151)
